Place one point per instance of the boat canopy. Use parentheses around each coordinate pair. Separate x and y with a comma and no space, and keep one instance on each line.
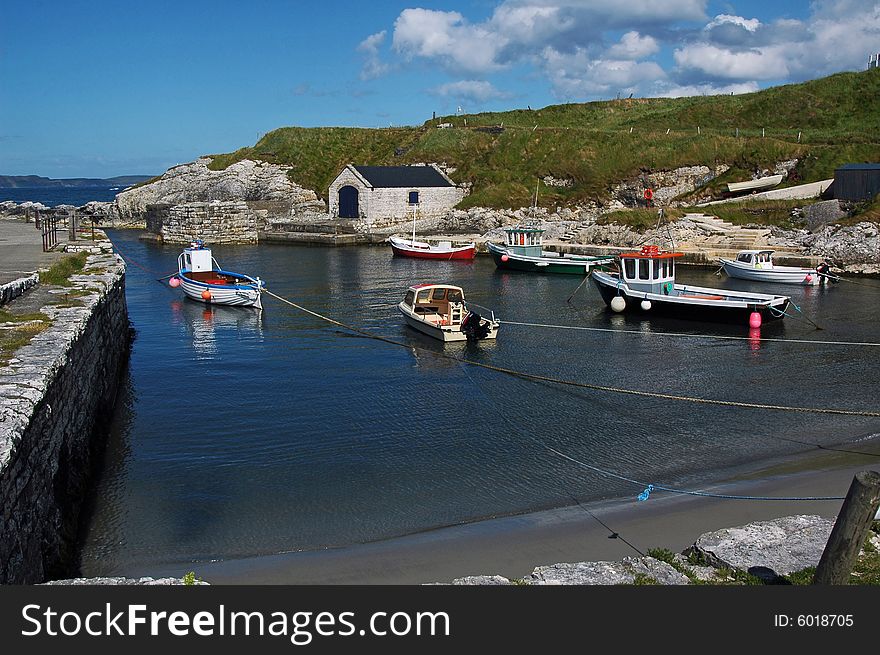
(197,258)
(525,241)
(650,270)
(756,257)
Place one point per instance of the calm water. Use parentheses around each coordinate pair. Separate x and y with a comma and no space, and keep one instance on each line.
(51,196)
(239,433)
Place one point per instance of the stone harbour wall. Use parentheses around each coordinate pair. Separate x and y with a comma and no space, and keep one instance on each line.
(215,222)
(56,397)
(17,287)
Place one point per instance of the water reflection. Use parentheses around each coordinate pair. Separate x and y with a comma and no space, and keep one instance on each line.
(202,324)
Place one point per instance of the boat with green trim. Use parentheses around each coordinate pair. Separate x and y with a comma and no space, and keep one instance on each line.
(523,251)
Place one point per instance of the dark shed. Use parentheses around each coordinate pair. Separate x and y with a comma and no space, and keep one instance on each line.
(857,182)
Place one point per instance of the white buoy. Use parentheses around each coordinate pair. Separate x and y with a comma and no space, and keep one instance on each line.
(618,304)
(646,305)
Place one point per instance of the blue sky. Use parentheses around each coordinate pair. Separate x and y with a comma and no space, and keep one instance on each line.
(98,88)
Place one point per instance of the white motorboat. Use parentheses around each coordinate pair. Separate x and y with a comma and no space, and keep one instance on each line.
(439,311)
(758,265)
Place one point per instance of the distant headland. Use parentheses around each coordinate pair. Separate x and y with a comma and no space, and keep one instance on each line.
(35,181)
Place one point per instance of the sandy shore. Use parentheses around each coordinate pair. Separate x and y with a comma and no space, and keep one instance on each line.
(513,546)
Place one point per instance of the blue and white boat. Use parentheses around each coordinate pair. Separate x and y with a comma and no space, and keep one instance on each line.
(202,279)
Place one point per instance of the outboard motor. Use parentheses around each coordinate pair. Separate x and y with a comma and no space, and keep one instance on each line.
(474,327)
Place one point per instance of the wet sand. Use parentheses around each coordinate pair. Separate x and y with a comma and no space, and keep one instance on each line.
(513,546)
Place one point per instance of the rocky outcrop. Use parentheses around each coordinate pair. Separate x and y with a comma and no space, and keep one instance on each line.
(116,582)
(764,549)
(767,549)
(630,570)
(850,248)
(665,186)
(195,182)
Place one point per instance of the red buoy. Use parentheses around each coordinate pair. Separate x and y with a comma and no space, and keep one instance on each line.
(174,282)
(504,258)
(755,320)
(206,295)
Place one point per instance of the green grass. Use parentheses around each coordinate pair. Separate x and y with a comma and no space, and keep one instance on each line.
(759,212)
(11,339)
(59,273)
(639,220)
(837,117)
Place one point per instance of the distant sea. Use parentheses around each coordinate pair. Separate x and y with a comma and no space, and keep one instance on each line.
(52,196)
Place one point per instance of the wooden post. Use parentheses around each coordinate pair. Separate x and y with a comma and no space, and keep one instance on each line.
(850,529)
(71,225)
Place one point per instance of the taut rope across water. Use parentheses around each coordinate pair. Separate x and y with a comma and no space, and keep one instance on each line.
(581,385)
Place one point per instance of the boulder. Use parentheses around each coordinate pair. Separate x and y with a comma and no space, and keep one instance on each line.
(487,580)
(195,182)
(767,549)
(608,573)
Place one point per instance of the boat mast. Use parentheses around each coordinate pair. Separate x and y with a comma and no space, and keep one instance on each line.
(414,223)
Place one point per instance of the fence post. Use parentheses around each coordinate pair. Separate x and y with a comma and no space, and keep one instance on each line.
(850,529)
(71,225)
(37,218)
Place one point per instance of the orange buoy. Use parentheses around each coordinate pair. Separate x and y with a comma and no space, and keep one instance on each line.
(206,295)
(649,193)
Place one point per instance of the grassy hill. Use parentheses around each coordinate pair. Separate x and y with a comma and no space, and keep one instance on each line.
(824,123)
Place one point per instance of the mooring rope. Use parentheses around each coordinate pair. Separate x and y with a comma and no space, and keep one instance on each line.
(647,487)
(686,334)
(580,385)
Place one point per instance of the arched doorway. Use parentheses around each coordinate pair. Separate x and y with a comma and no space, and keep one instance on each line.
(348,202)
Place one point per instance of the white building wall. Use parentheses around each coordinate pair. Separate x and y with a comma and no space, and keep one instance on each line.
(346,178)
(389,206)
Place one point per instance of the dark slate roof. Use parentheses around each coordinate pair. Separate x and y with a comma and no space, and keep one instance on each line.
(858,167)
(402,176)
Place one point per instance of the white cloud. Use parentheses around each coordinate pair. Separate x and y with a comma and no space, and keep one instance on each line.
(749,24)
(519,30)
(754,64)
(633,45)
(578,75)
(446,36)
(470,90)
(373,65)
(679,91)
(575,45)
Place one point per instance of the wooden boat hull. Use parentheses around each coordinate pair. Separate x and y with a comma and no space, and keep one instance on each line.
(698,304)
(236,295)
(778,274)
(404,248)
(561,265)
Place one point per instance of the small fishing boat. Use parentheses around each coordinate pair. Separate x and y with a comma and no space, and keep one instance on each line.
(202,279)
(758,265)
(439,311)
(646,283)
(755,185)
(424,250)
(523,251)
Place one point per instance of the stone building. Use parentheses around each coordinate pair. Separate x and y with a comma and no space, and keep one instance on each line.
(385,195)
